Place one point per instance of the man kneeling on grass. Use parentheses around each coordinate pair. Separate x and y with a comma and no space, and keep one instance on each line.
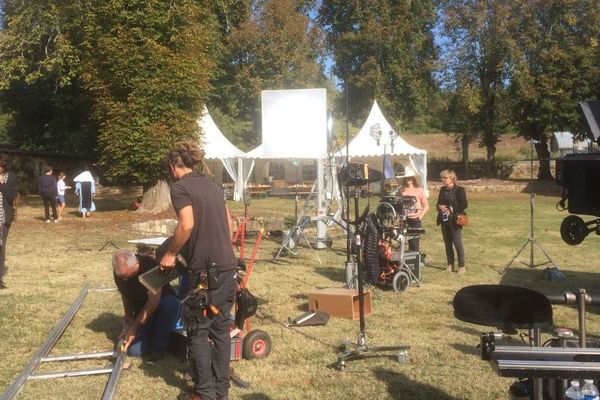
(149,318)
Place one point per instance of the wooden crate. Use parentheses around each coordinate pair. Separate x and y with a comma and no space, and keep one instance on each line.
(339,302)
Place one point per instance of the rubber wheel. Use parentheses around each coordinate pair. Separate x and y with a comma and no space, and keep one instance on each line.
(257,344)
(401,281)
(573,230)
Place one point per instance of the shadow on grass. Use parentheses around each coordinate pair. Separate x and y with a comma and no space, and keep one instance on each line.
(399,386)
(468,349)
(109,323)
(168,369)
(533,278)
(334,274)
(255,396)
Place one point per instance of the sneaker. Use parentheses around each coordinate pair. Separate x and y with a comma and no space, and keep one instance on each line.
(3,286)
(449,268)
(56,220)
(47,221)
(461,270)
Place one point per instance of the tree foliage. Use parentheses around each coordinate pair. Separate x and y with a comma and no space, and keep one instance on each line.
(478,54)
(275,46)
(555,67)
(383,50)
(149,79)
(41,91)
(131,74)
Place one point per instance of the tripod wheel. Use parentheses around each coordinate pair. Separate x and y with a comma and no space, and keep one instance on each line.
(573,230)
(401,281)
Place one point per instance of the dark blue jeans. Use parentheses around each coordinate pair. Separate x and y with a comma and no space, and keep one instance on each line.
(156,333)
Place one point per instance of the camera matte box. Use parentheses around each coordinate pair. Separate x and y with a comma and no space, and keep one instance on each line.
(339,302)
(412,259)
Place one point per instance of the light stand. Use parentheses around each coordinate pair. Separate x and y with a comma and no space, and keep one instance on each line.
(361,349)
(531,240)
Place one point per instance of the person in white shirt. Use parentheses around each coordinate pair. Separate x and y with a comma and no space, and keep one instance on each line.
(60,188)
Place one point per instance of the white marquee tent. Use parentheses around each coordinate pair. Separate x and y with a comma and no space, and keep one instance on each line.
(216,146)
(377,137)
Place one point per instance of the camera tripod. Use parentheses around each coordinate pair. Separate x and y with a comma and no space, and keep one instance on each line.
(531,240)
(296,232)
(361,349)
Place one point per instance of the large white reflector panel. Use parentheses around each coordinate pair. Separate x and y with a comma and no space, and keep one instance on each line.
(294,123)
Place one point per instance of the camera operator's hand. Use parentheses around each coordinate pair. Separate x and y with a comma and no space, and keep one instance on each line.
(128,335)
(167,263)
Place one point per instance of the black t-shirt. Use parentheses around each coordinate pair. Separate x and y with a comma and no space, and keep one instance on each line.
(210,240)
(133,291)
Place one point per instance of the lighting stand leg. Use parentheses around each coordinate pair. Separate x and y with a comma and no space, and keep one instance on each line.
(531,240)
(361,349)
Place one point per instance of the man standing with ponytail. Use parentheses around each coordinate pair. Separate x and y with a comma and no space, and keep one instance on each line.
(202,236)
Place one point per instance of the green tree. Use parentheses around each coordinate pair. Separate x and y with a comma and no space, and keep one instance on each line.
(478,53)
(555,67)
(40,85)
(383,50)
(148,68)
(462,113)
(131,74)
(276,46)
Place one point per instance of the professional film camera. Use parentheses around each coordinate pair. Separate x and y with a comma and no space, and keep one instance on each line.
(579,176)
(387,231)
(383,234)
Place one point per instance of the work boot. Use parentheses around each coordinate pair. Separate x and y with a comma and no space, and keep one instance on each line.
(449,268)
(461,270)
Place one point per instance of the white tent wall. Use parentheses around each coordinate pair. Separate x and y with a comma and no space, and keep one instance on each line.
(216,146)
(377,137)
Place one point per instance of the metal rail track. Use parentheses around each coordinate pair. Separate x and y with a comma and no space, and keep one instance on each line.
(41,356)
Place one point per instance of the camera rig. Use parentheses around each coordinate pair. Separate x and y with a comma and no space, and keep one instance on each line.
(579,176)
(547,365)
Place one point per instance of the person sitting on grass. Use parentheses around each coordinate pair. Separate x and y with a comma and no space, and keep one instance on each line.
(149,318)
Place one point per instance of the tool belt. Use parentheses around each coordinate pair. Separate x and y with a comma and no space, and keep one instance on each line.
(198,304)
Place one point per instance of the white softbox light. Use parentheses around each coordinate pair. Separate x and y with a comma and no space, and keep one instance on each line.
(294,123)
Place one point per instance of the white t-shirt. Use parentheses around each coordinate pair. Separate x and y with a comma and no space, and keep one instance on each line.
(60,187)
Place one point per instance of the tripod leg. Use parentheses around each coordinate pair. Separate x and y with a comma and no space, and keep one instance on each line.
(545,252)
(309,245)
(284,244)
(515,257)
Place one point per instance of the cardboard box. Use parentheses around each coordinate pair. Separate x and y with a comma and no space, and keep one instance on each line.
(339,302)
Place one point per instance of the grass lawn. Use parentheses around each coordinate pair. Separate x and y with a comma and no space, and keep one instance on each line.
(50,263)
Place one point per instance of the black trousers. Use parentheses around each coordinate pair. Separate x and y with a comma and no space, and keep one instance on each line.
(3,252)
(452,235)
(209,362)
(49,201)
(413,244)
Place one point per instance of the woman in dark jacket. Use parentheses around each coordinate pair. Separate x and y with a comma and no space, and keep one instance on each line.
(452,201)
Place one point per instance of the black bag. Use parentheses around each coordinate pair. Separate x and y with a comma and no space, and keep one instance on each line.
(246,307)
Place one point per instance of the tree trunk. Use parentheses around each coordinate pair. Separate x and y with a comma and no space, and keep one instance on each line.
(541,148)
(157,198)
(490,160)
(465,155)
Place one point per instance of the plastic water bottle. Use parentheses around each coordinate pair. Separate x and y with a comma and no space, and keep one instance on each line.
(574,391)
(589,391)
